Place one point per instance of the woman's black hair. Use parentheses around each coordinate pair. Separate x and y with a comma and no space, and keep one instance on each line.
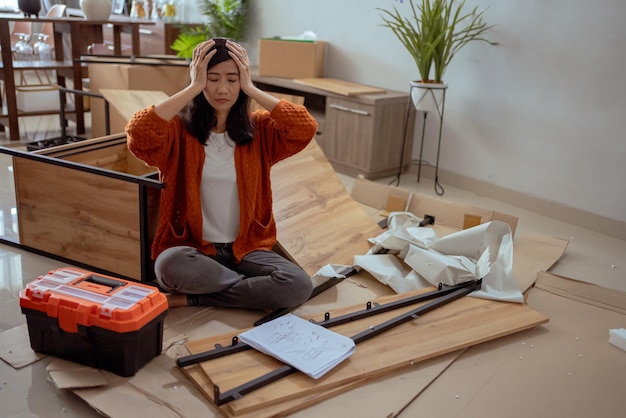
(199,118)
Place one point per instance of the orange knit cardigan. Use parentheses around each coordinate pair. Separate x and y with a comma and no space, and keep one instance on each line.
(179,156)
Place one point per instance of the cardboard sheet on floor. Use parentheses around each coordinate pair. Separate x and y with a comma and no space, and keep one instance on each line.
(565,368)
(535,253)
(68,375)
(15,347)
(159,390)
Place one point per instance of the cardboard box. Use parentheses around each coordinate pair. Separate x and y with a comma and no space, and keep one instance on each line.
(95,320)
(37,98)
(291,59)
(141,75)
(384,199)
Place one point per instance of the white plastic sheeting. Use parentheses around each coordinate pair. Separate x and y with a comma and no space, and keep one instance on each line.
(408,257)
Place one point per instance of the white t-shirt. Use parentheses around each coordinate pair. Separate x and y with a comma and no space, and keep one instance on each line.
(218,190)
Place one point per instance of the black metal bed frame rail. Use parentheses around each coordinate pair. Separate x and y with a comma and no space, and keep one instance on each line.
(63,91)
(143,180)
(285,370)
(328,322)
(439,297)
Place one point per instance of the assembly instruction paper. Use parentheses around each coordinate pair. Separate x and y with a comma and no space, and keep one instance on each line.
(308,347)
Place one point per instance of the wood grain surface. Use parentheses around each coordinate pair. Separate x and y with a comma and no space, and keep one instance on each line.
(81,216)
(345,88)
(127,102)
(318,222)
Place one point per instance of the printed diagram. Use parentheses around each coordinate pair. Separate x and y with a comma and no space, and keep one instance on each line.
(304,345)
(307,347)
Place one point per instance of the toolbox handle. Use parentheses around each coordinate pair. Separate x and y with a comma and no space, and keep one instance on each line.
(104,281)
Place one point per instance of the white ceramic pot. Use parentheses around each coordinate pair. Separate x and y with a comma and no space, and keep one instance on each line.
(428,97)
(96,9)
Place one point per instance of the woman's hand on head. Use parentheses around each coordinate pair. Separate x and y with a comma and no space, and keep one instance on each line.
(240,56)
(170,107)
(199,63)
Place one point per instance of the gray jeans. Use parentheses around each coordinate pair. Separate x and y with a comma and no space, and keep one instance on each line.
(262,280)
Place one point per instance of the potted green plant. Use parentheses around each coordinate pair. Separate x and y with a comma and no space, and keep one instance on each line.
(433,32)
(225,18)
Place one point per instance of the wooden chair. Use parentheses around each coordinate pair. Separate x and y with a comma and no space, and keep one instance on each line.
(57,10)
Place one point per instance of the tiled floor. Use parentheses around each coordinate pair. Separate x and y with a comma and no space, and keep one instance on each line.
(27,392)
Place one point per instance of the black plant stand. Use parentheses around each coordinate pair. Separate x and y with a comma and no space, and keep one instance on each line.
(427,94)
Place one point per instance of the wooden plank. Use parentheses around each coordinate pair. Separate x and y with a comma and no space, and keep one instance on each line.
(127,102)
(111,157)
(82,216)
(60,151)
(345,88)
(462,323)
(124,103)
(203,383)
(318,222)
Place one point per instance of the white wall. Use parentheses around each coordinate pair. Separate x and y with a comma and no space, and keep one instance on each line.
(542,113)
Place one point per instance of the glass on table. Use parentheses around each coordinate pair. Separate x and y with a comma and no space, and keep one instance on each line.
(41,48)
(23,49)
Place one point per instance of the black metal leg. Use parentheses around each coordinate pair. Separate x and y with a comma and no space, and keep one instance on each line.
(419,162)
(409,107)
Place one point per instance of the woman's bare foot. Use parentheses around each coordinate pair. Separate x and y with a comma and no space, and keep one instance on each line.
(176,300)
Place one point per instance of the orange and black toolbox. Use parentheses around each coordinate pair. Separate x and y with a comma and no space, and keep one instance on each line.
(93,319)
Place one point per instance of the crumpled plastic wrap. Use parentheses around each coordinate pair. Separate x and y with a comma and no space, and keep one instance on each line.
(408,257)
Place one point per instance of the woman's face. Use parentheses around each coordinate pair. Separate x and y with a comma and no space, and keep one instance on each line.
(222,86)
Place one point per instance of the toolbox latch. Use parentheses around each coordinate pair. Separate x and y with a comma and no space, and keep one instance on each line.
(106,310)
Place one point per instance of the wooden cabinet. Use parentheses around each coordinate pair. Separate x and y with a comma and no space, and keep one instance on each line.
(360,134)
(365,138)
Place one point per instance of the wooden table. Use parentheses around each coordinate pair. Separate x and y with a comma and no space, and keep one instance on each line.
(82,33)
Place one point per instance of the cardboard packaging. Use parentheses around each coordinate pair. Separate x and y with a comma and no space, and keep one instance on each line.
(456,216)
(95,320)
(37,98)
(169,78)
(291,59)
